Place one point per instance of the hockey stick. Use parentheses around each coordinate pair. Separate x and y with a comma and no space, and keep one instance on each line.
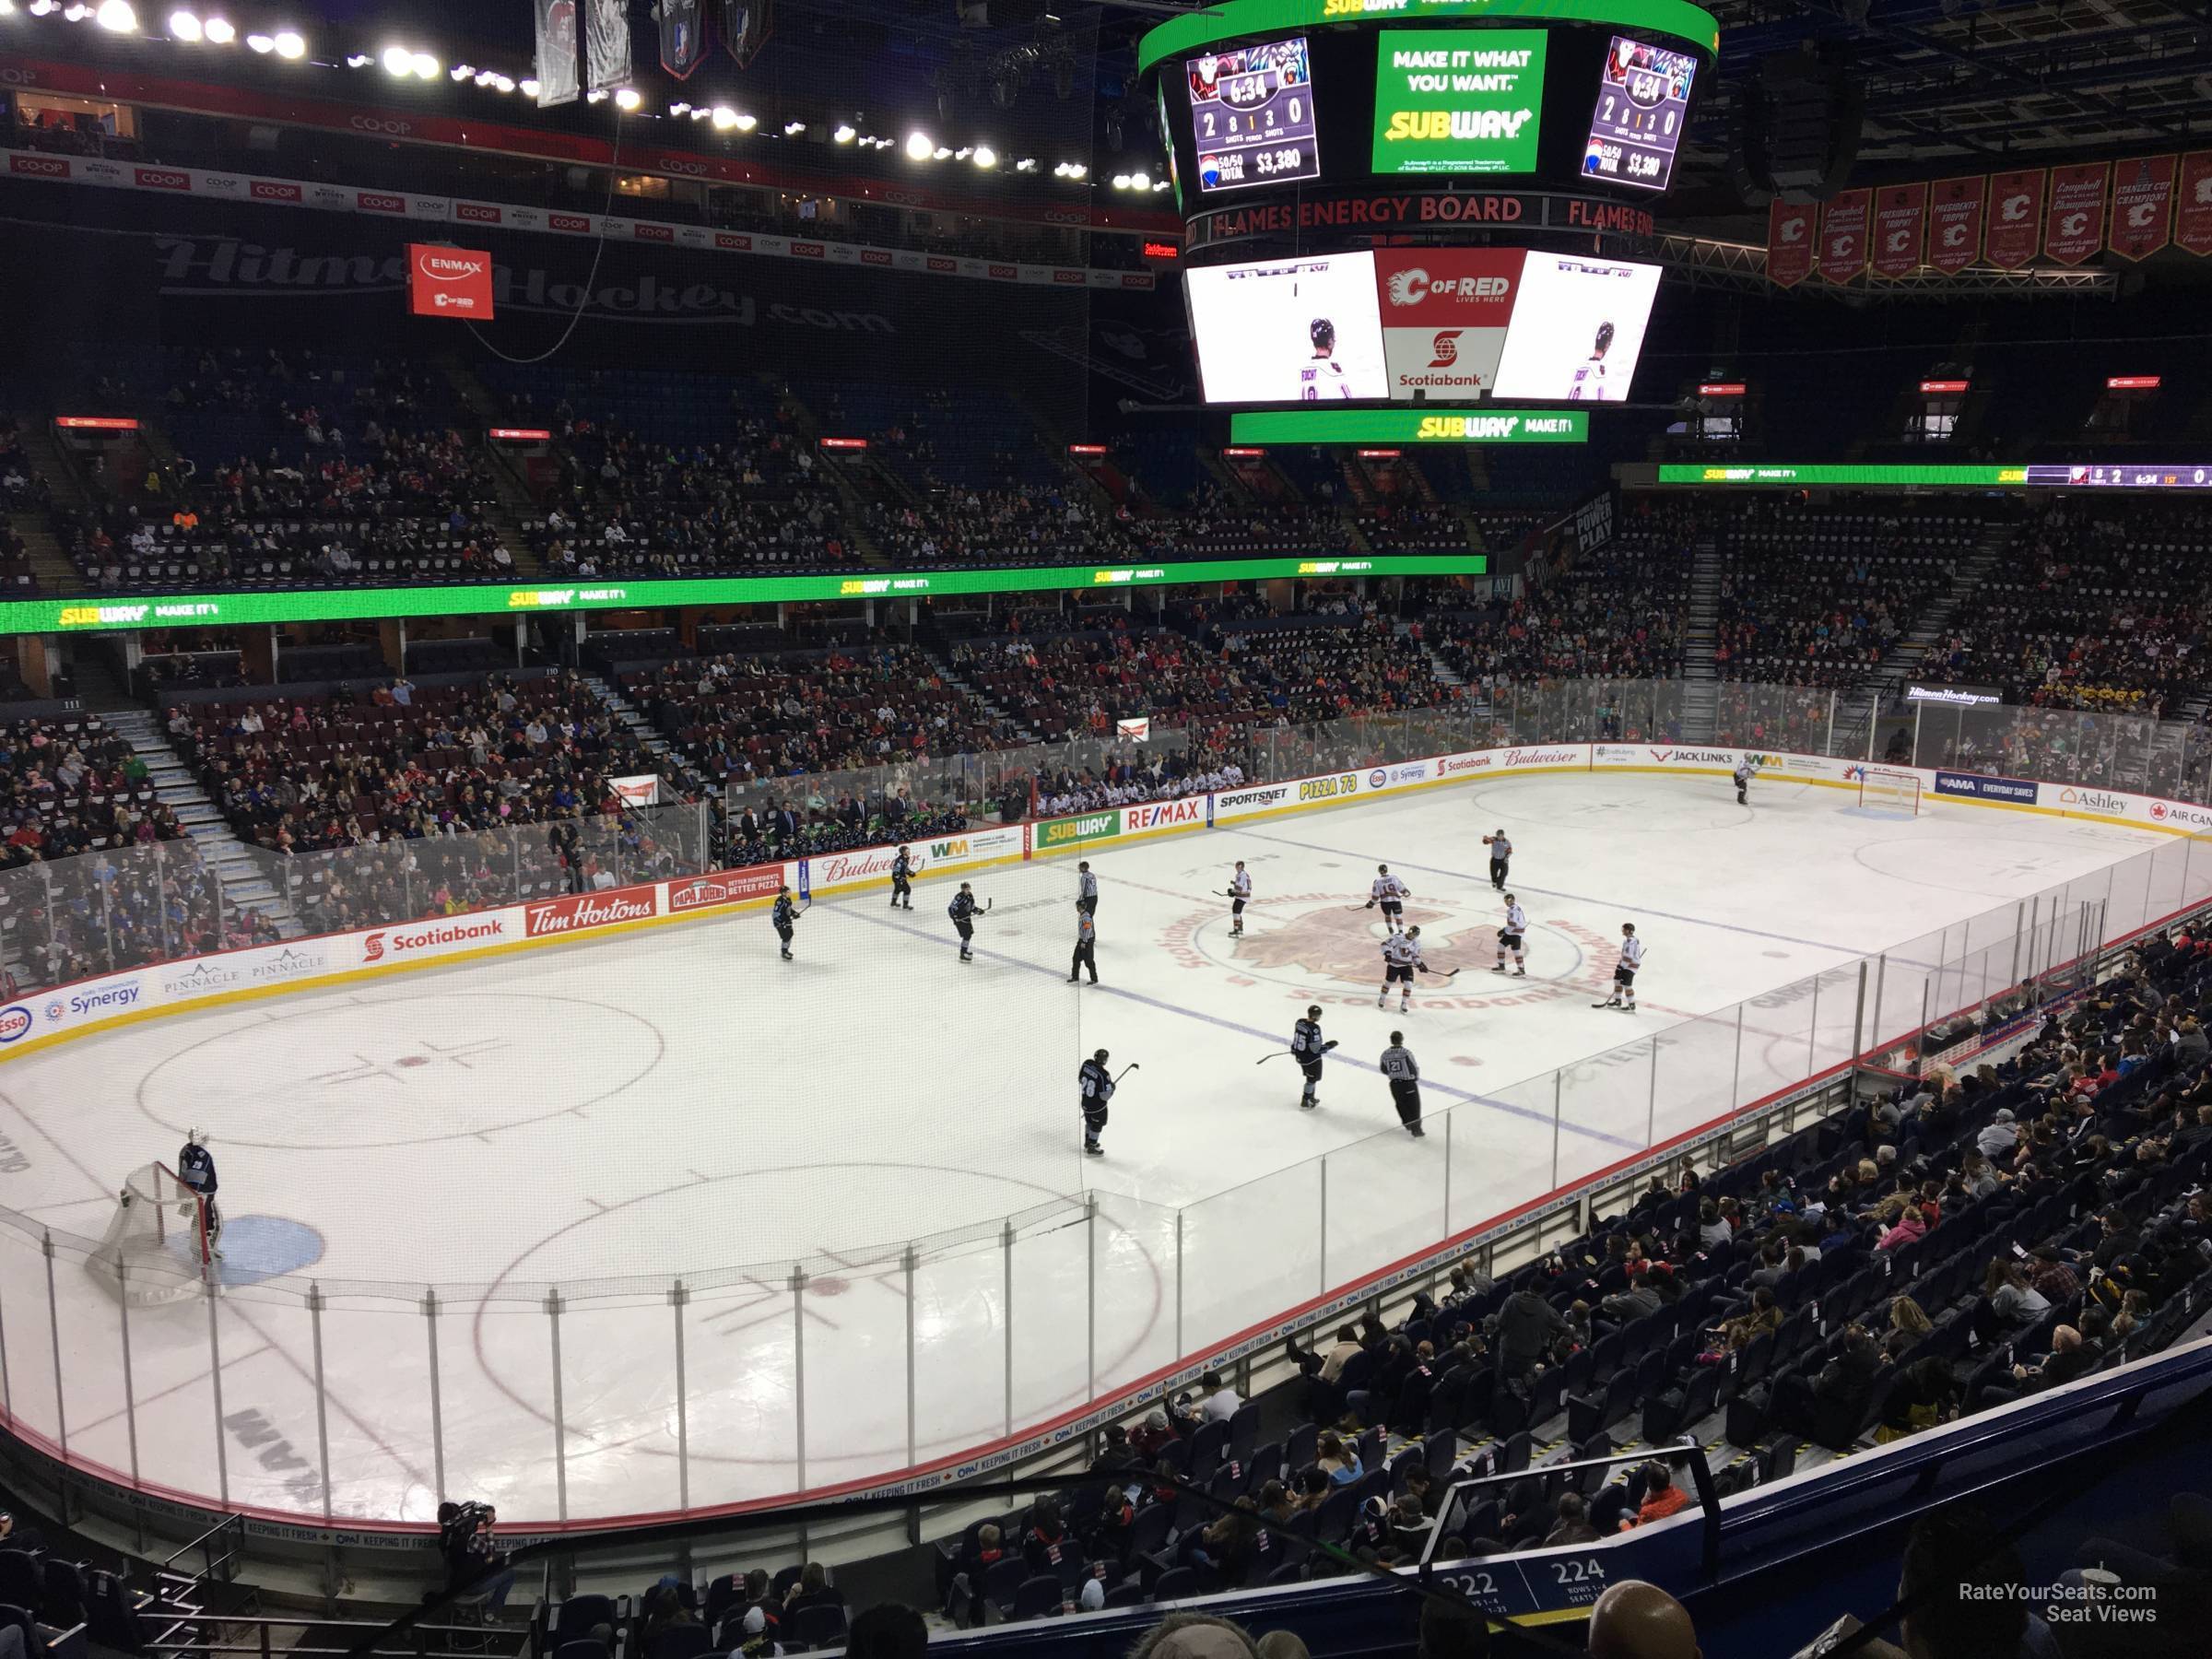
(1126,1070)
(1274,1055)
(1442,972)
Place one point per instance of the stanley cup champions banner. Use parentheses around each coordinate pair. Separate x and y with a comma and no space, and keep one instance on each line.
(607,44)
(683,36)
(555,51)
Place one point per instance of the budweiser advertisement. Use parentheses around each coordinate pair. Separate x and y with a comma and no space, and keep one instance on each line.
(587,910)
(2016,217)
(1955,223)
(1444,316)
(1899,212)
(2193,205)
(2142,205)
(1843,235)
(1789,240)
(2074,227)
(449,282)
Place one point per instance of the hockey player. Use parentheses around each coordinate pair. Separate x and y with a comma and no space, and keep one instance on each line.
(1086,948)
(1589,383)
(195,1169)
(1086,889)
(1404,1082)
(1321,375)
(786,917)
(1401,956)
(1510,936)
(1624,970)
(1744,772)
(1390,893)
(1307,1044)
(963,911)
(902,880)
(1097,1087)
(1239,893)
(1501,854)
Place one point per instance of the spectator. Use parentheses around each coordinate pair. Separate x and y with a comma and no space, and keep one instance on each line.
(1221,1401)
(1527,1327)
(1636,1621)
(1661,1497)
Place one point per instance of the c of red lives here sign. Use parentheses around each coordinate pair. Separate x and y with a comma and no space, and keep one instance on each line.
(449,282)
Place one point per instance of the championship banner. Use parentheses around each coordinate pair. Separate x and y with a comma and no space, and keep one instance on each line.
(2074,228)
(2016,217)
(1843,235)
(556,21)
(607,45)
(1955,223)
(2193,215)
(2142,205)
(1788,242)
(1444,311)
(1899,212)
(745,27)
(683,37)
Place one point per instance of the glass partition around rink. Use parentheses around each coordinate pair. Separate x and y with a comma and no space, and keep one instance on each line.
(735,1384)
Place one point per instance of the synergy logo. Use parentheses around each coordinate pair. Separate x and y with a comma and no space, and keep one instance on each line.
(94,1001)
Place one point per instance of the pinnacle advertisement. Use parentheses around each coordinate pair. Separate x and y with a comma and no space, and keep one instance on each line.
(1458,102)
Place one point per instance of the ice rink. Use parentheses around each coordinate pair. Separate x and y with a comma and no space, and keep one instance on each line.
(824,1154)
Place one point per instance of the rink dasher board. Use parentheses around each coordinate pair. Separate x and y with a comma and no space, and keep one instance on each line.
(324,960)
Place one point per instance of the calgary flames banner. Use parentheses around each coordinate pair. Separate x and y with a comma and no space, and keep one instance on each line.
(2074,228)
(2142,205)
(2016,217)
(1898,212)
(1955,223)
(1843,235)
(2193,217)
(1788,242)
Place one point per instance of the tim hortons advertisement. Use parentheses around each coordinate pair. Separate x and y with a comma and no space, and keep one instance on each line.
(587,910)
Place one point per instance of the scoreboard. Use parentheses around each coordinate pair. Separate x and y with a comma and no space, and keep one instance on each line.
(1251,115)
(1642,107)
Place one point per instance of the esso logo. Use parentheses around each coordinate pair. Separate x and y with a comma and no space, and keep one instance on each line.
(15,1023)
(381,123)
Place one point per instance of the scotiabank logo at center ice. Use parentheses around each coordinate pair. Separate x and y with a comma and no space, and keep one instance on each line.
(434,937)
(586,911)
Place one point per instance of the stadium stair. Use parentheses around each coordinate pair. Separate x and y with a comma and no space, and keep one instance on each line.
(1437,666)
(244,884)
(513,504)
(1973,569)
(50,567)
(1700,631)
(634,721)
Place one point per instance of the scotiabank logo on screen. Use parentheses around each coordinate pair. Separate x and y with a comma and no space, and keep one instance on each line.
(437,936)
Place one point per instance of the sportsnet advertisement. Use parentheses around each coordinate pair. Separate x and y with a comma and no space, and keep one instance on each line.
(1444,317)
(1287,330)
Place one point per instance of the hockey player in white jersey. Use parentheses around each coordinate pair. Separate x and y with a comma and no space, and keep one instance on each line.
(1322,376)
(1589,386)
(1744,772)
(1391,893)
(1401,958)
(1510,934)
(1239,895)
(1624,970)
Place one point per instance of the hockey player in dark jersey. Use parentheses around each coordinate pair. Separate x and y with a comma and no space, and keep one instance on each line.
(902,880)
(195,1169)
(1307,1044)
(1097,1087)
(785,915)
(963,910)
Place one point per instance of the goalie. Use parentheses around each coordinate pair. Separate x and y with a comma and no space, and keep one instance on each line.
(195,1169)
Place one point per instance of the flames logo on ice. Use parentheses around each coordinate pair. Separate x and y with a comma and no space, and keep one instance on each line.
(1346,946)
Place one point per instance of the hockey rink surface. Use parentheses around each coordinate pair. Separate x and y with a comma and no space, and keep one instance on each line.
(676,1105)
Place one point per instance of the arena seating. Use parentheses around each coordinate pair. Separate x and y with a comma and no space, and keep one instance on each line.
(1818,596)
(938,436)
(1616,615)
(1018,524)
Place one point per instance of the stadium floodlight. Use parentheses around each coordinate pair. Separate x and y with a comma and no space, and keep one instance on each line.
(1138,181)
(986,155)
(745,124)
(724,118)
(791,129)
(40,9)
(291,45)
(398,61)
(262,43)
(679,109)
(530,89)
(220,32)
(78,14)
(596,95)
(119,17)
(962,153)
(628,99)
(358,60)
(461,72)
(919,146)
(942,153)
(1026,164)
(182,26)
(844,134)
(426,66)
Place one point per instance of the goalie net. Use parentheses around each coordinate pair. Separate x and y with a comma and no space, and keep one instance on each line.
(156,1248)
(1890,791)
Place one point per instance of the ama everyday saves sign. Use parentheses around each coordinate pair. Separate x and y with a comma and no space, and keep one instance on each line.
(1458,102)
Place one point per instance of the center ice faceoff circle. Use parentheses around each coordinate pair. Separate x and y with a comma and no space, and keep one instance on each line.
(392,1071)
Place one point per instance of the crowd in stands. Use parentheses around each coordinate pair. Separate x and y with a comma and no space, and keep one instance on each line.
(1022,524)
(642,508)
(1615,614)
(1410,526)
(21,488)
(2096,607)
(1815,596)
(347,769)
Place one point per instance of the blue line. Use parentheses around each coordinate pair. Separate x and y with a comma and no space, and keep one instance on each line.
(1244,1030)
